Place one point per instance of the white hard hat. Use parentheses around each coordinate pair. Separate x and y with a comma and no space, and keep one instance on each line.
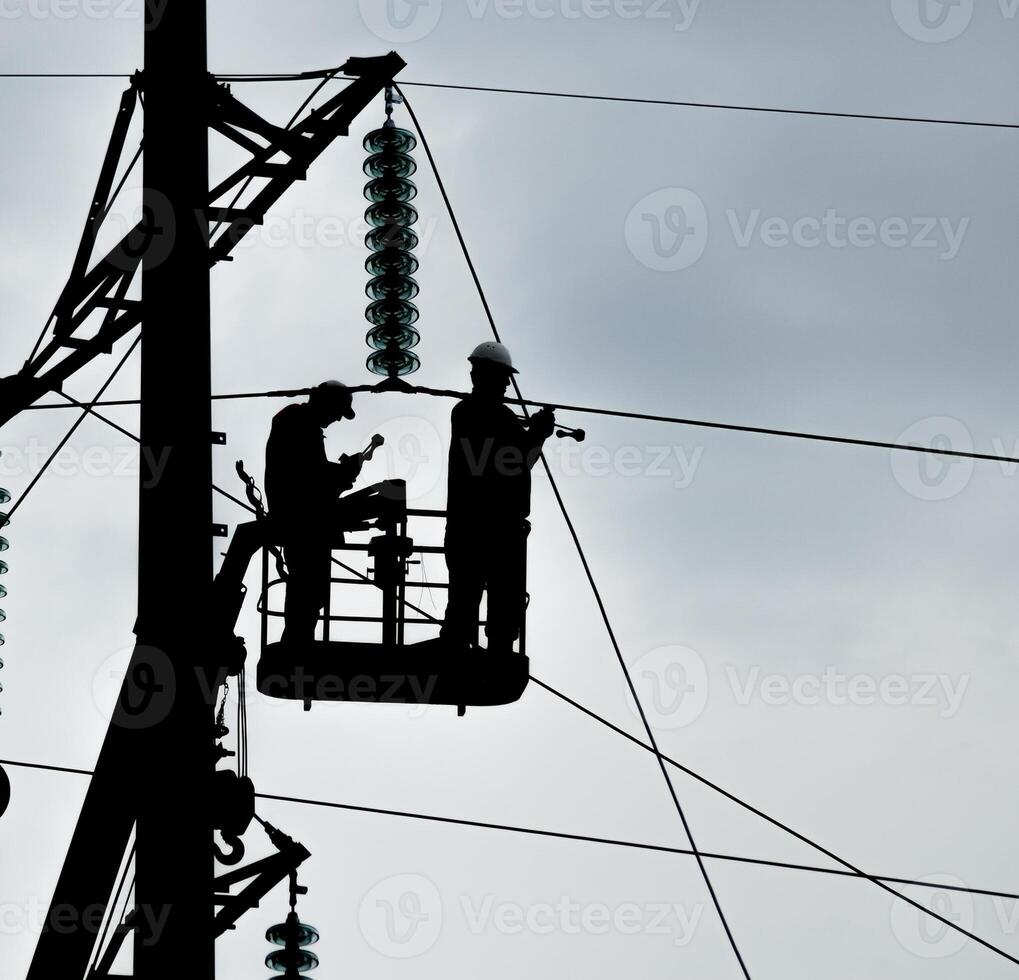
(493,352)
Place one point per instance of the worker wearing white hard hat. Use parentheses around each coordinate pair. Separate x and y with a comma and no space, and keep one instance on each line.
(488,503)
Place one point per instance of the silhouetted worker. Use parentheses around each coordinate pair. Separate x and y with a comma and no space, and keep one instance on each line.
(491,453)
(302,487)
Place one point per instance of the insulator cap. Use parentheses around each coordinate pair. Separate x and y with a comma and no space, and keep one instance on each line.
(398,164)
(392,336)
(392,363)
(391,260)
(390,188)
(392,285)
(390,138)
(282,960)
(391,213)
(386,311)
(292,931)
(391,236)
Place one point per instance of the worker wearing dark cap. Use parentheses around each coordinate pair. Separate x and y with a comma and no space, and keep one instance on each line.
(302,487)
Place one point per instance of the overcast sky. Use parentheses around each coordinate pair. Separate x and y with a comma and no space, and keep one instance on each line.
(825,631)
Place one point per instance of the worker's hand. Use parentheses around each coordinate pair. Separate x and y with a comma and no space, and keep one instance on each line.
(353,463)
(543,423)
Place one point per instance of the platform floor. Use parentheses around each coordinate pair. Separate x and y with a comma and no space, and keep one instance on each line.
(417,673)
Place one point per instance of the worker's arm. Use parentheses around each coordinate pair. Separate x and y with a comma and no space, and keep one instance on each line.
(538,428)
(342,475)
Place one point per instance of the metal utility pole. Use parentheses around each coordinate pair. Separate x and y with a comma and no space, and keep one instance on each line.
(173,755)
(156,770)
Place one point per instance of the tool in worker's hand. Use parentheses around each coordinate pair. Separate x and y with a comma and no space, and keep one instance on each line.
(367,453)
(561,431)
(376,441)
(565,432)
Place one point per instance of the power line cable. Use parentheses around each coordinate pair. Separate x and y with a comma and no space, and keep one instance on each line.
(74,428)
(617,413)
(879,880)
(581,838)
(852,871)
(583,558)
(540,93)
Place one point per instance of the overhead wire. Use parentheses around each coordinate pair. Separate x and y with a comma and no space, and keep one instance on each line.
(653,745)
(580,838)
(583,558)
(89,409)
(70,432)
(544,93)
(622,414)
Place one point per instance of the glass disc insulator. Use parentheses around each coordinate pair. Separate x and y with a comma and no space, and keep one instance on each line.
(297,932)
(391,236)
(4,544)
(391,213)
(398,164)
(282,960)
(392,137)
(388,364)
(392,285)
(392,311)
(390,188)
(5,496)
(391,336)
(391,261)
